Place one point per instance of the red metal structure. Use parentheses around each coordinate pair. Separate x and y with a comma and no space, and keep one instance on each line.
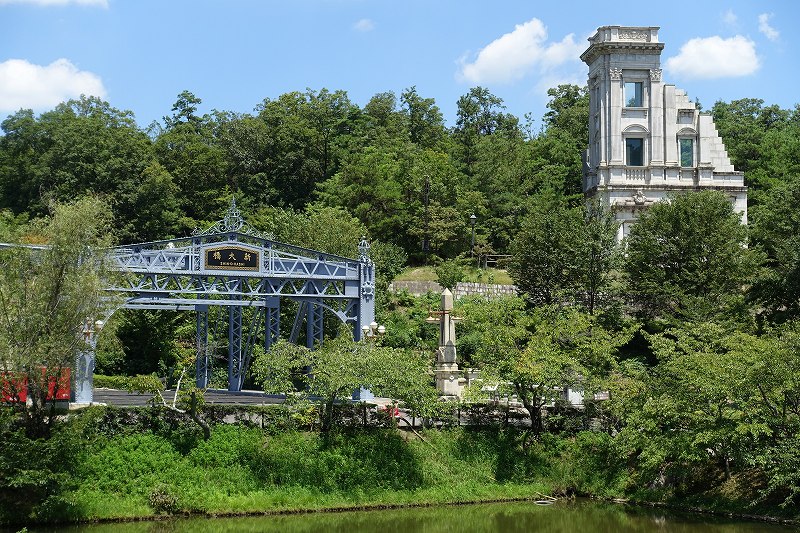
(14,386)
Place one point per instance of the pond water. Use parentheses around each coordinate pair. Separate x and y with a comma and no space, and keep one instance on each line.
(567,517)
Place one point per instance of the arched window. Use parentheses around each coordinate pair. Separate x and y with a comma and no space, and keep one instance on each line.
(687,147)
(635,138)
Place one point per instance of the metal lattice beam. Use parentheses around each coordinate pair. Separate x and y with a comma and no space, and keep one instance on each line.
(231,265)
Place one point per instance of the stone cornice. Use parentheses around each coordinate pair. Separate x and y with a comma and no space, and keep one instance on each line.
(609,47)
(667,187)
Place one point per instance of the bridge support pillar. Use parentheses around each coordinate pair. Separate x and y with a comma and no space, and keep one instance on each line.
(314,323)
(203,372)
(84,377)
(235,355)
(272,323)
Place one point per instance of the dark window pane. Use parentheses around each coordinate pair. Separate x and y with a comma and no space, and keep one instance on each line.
(687,152)
(634,152)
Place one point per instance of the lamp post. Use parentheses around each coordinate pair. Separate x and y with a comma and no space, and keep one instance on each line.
(426,246)
(373,331)
(369,333)
(472,219)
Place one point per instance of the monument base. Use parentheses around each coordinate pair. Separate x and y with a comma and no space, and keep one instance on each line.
(448,379)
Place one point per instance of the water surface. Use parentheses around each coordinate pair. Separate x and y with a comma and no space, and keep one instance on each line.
(566,517)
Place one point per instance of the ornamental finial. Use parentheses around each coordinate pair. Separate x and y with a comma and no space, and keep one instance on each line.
(363,250)
(233,217)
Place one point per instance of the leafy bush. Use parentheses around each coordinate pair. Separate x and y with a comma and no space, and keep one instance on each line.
(228,446)
(133,464)
(34,474)
(448,273)
(339,462)
(163,500)
(592,463)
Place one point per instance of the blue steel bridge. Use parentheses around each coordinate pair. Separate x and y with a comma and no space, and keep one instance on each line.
(235,278)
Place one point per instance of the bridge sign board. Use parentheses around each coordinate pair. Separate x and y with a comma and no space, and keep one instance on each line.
(230,257)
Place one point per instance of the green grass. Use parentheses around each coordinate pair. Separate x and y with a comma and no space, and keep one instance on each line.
(121,467)
(474,275)
(133,474)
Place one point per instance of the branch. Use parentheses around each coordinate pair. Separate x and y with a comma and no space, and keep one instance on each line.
(178,387)
(168,406)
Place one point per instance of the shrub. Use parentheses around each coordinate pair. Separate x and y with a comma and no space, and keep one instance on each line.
(450,272)
(34,473)
(133,464)
(163,500)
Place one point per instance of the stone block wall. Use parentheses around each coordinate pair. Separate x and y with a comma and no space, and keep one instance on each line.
(488,290)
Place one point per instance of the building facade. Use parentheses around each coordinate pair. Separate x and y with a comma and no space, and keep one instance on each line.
(647,140)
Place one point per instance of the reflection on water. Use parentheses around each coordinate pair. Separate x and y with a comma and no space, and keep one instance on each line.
(569,517)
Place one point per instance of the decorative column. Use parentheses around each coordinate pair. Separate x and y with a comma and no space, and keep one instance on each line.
(615,115)
(84,363)
(366,289)
(656,117)
(448,376)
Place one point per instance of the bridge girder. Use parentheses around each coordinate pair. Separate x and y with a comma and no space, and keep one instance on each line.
(232,266)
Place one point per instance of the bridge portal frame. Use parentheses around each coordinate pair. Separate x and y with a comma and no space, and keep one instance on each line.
(233,266)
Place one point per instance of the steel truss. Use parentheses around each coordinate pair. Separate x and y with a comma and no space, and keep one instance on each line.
(246,275)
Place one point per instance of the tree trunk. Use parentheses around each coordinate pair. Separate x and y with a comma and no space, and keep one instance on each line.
(198,420)
(532,405)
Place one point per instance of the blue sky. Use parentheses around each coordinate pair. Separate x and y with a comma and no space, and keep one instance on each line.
(139,54)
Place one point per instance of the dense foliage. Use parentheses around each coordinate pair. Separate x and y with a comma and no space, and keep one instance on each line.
(690,328)
(46,293)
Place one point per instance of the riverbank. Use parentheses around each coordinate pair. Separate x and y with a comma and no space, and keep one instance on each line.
(113,464)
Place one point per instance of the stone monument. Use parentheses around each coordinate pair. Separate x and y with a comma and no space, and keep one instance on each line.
(449,382)
(647,139)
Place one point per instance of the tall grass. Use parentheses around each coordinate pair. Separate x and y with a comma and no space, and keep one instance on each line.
(122,465)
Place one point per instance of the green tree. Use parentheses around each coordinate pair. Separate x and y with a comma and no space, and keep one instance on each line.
(189,150)
(425,122)
(308,135)
(491,329)
(449,273)
(697,381)
(568,110)
(716,403)
(479,114)
(564,254)
(749,129)
(776,230)
(687,258)
(564,140)
(340,366)
(560,348)
(46,294)
(183,110)
(82,146)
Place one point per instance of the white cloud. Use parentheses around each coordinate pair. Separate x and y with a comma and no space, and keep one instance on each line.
(364,25)
(515,54)
(730,18)
(714,57)
(25,85)
(549,81)
(763,26)
(98,3)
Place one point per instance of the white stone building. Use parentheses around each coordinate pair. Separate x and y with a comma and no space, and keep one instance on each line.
(647,140)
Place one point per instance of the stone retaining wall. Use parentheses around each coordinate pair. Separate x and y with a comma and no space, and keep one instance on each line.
(489,290)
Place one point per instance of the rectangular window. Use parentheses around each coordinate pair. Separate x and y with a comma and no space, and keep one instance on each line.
(634,152)
(687,152)
(633,94)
